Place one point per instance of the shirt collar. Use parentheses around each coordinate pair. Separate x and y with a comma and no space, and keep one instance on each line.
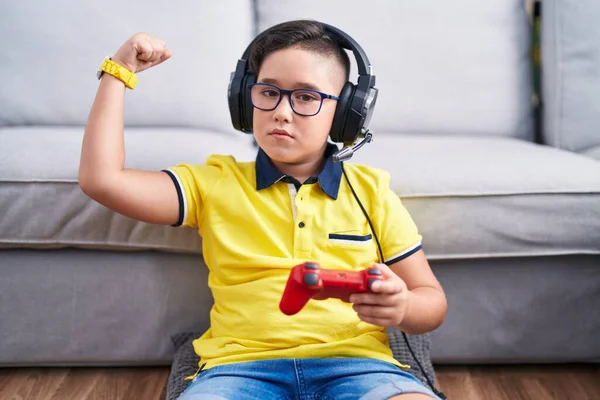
(329,178)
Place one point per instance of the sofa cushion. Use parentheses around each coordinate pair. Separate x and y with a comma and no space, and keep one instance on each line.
(471,197)
(43,206)
(453,67)
(479,197)
(50,55)
(570,58)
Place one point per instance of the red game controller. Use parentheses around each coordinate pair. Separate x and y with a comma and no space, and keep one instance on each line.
(309,279)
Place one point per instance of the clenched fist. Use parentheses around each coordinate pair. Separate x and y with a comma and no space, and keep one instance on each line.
(141,51)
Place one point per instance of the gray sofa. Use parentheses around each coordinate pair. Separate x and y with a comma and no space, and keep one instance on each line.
(510,215)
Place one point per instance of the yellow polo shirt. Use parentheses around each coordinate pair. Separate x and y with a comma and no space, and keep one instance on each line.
(256,224)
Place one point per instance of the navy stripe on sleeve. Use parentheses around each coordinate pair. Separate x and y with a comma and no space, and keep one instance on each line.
(404,255)
(179,197)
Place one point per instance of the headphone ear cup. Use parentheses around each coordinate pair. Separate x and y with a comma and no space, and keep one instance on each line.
(338,126)
(246,109)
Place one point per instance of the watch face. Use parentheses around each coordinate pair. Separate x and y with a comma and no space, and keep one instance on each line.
(100,72)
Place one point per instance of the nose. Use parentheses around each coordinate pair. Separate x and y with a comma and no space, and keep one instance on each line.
(283,111)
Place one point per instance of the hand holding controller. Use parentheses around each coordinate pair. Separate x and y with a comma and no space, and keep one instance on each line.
(308,279)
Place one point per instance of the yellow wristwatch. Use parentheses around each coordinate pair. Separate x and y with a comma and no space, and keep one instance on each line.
(118,71)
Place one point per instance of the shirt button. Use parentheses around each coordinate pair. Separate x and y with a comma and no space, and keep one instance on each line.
(301,224)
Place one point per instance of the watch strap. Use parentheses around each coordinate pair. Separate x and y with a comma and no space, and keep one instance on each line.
(118,71)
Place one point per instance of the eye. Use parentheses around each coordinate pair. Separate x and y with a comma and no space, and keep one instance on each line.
(306,97)
(270,93)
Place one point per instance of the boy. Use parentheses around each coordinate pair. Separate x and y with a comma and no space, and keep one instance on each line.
(259,219)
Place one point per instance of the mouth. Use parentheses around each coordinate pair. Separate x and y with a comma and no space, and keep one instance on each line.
(280,133)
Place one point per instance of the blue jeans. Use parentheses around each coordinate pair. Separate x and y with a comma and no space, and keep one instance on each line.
(304,379)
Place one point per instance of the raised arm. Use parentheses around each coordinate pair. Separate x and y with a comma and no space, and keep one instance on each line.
(148,196)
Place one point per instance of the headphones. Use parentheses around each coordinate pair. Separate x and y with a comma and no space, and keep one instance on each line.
(354,108)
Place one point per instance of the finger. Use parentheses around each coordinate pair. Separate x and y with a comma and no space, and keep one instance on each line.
(166,55)
(165,52)
(375,311)
(387,271)
(159,49)
(389,286)
(374,299)
(391,282)
(145,49)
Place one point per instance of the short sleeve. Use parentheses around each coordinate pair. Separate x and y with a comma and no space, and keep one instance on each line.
(193,184)
(400,236)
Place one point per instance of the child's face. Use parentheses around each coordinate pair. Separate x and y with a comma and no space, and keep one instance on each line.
(305,137)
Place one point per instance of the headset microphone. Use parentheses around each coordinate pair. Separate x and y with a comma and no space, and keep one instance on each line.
(346,152)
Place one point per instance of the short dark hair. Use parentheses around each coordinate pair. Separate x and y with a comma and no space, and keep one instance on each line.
(303,34)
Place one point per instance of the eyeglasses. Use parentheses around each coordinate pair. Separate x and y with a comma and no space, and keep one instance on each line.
(305,102)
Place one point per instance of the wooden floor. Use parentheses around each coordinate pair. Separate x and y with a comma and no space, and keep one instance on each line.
(572,382)
(565,382)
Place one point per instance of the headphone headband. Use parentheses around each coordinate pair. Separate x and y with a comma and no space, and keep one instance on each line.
(342,39)
(347,42)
